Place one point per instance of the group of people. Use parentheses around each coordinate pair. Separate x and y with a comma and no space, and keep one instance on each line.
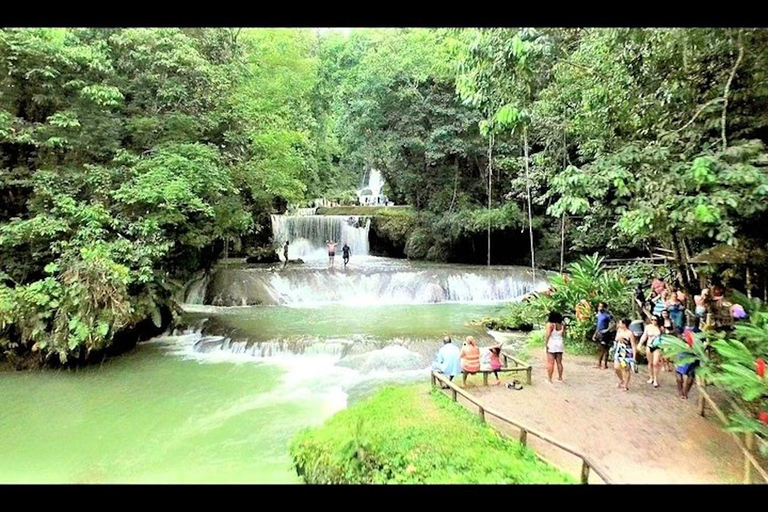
(663,312)
(345,250)
(470,359)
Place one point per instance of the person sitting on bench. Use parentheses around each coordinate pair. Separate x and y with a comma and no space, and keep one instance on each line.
(470,358)
(448,359)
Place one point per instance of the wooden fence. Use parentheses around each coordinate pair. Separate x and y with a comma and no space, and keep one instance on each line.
(747,444)
(587,464)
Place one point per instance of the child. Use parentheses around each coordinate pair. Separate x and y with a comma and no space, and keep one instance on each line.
(496,362)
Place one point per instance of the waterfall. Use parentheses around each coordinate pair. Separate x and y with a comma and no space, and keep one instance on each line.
(396,285)
(369,192)
(361,356)
(195,291)
(307,234)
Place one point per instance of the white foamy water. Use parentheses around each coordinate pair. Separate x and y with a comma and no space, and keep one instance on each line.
(313,374)
(307,234)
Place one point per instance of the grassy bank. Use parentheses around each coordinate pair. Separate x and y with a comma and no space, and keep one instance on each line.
(361,210)
(412,434)
(581,348)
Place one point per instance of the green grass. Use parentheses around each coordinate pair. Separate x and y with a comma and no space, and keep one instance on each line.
(411,434)
(579,348)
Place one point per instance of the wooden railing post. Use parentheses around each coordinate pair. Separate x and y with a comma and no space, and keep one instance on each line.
(749,443)
(481,413)
(523,437)
(432,378)
(528,377)
(453,391)
(584,472)
(702,404)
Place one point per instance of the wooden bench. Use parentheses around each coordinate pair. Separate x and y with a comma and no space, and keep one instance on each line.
(511,364)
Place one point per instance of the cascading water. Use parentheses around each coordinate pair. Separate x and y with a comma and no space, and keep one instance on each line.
(307,234)
(398,285)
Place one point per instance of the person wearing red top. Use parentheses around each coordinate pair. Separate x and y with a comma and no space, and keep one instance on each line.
(470,358)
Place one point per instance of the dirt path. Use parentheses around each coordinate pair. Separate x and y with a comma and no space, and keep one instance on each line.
(645,435)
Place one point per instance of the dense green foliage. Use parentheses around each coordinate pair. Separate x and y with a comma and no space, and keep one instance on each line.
(128,157)
(575,295)
(735,362)
(429,440)
(516,316)
(634,137)
(131,158)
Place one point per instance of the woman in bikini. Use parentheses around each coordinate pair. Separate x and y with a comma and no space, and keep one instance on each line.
(651,338)
(625,348)
(554,340)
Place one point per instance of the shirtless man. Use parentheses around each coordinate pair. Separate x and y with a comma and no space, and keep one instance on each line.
(331,251)
(285,253)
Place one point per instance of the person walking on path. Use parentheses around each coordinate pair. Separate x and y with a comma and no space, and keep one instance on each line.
(554,341)
(624,354)
(651,338)
(602,336)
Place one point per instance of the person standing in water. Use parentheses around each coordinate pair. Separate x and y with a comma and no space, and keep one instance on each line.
(285,253)
(331,251)
(345,253)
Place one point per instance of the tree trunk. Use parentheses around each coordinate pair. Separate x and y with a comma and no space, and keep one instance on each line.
(530,213)
(562,244)
(455,185)
(682,264)
(490,176)
(728,89)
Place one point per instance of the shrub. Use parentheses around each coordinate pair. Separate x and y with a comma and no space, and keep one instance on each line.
(518,316)
(587,283)
(736,363)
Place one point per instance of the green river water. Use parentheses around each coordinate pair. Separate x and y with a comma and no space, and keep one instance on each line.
(166,413)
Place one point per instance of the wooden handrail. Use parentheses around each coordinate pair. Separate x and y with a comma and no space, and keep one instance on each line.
(749,459)
(519,366)
(483,411)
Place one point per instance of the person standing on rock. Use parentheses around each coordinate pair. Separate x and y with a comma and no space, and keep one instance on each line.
(285,253)
(345,253)
(331,251)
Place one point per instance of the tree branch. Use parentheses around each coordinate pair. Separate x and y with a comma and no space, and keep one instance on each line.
(689,123)
(728,88)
